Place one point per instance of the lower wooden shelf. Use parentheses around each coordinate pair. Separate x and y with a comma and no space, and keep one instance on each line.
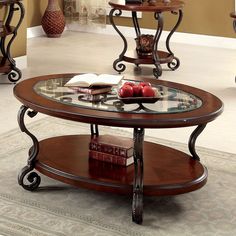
(133,57)
(166,171)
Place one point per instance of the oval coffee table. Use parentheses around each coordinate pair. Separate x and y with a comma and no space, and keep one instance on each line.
(157,169)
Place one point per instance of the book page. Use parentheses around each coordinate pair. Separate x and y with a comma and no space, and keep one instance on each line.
(89,80)
(83,80)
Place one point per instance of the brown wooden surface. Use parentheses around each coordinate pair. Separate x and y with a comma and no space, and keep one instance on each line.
(166,171)
(133,57)
(210,109)
(159,6)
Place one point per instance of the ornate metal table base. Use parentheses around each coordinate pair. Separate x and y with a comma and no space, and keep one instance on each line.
(138,136)
(33,179)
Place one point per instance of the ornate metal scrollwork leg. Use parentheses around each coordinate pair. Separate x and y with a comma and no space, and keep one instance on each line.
(94,130)
(192,140)
(137,206)
(32,177)
(135,23)
(158,70)
(119,67)
(174,64)
(15,74)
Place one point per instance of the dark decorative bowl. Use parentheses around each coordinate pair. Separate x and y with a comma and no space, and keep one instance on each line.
(144,44)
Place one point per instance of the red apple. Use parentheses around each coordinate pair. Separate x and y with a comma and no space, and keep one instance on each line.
(129,83)
(147,91)
(126,91)
(137,89)
(143,84)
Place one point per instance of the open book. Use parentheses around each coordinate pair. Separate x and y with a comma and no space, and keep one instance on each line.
(93,80)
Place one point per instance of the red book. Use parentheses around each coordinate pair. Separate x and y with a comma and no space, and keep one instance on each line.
(114,145)
(106,157)
(92,91)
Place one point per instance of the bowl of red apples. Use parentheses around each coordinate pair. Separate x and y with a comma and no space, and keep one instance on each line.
(138,92)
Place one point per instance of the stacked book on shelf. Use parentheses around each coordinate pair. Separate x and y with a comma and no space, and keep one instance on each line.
(113,149)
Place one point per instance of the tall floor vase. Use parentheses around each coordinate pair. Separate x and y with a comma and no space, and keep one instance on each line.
(53,20)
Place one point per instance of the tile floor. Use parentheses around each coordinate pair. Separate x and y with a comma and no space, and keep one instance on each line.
(208,68)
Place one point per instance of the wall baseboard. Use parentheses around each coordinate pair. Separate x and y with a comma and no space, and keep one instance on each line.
(35,31)
(177,37)
(21,62)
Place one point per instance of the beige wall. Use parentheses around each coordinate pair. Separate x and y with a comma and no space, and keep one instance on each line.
(209,17)
(35,12)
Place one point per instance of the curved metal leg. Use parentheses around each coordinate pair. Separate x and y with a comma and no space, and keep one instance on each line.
(137,205)
(234,25)
(158,70)
(174,64)
(15,74)
(192,141)
(32,177)
(119,67)
(94,130)
(135,23)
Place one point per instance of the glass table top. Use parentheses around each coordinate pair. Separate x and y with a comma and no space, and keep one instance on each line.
(171,100)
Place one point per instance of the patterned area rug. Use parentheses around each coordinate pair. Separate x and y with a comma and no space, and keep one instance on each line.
(57,209)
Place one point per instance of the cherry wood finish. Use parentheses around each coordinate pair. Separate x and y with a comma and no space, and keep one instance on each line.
(167,171)
(210,109)
(145,6)
(136,59)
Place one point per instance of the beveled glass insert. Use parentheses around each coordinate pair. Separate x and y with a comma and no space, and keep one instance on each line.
(171,101)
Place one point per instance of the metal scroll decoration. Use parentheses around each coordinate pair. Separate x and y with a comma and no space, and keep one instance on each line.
(117,65)
(32,177)
(137,206)
(158,70)
(15,73)
(175,63)
(192,141)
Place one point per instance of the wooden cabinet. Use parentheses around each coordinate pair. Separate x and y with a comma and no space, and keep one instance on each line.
(8,33)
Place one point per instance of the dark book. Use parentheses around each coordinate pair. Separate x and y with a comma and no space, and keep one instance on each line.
(114,159)
(92,91)
(114,145)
